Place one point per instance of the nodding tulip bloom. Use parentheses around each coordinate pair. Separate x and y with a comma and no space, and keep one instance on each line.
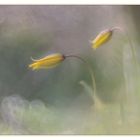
(47,62)
(102,38)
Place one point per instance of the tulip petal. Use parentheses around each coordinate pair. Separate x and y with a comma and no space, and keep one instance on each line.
(47,62)
(102,38)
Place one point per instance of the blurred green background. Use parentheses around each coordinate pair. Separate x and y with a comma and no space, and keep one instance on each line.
(53,101)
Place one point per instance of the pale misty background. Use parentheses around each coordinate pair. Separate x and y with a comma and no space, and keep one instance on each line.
(53,101)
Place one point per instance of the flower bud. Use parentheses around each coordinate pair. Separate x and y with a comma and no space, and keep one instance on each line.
(102,38)
(47,62)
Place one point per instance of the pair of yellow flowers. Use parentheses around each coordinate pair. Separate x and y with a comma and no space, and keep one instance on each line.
(52,60)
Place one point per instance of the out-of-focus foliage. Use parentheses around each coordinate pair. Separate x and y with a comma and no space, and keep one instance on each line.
(53,101)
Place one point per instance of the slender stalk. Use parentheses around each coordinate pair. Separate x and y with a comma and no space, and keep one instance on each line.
(90,71)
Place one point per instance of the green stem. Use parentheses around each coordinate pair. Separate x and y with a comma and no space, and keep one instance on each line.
(90,71)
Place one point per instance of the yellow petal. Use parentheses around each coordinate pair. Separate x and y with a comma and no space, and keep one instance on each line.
(47,62)
(102,38)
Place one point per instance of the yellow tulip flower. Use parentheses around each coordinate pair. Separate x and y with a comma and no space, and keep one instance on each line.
(47,62)
(102,38)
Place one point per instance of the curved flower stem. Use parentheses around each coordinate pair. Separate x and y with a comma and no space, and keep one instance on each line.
(90,71)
